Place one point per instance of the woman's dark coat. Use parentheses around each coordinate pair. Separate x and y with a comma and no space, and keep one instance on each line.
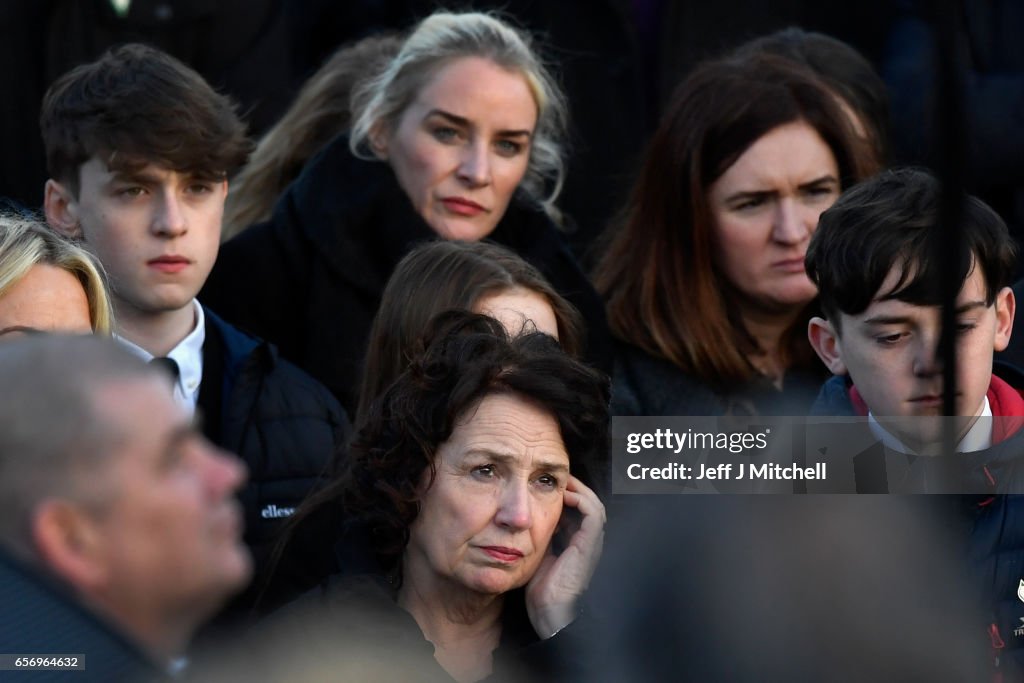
(310,280)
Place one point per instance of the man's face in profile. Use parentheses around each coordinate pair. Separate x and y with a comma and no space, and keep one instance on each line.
(170,528)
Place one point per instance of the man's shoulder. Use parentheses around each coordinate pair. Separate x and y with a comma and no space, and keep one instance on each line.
(41,616)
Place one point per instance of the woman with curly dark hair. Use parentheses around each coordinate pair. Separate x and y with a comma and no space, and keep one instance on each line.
(469,522)
(433,278)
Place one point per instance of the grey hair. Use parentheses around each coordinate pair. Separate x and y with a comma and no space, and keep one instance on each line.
(52,441)
(435,42)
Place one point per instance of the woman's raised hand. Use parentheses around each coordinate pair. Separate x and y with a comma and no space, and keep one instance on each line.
(552,595)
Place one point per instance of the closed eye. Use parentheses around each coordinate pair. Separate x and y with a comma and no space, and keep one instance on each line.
(890,339)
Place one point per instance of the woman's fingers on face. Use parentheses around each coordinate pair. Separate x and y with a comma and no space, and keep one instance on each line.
(574,484)
(580,496)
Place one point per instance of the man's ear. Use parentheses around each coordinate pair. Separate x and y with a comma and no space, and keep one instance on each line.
(1006,307)
(67,542)
(61,209)
(825,341)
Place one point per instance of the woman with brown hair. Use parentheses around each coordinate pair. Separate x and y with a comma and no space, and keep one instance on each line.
(475,276)
(843,71)
(703,274)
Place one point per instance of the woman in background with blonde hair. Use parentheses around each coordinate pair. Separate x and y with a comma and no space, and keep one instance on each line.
(321,110)
(460,137)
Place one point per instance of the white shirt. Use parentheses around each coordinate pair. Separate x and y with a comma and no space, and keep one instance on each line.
(188,354)
(977,438)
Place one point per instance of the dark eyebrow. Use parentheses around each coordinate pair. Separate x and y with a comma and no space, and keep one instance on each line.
(823,180)
(134,177)
(462,121)
(887,320)
(964,308)
(505,458)
(761,194)
(144,178)
(901,320)
(553,466)
(749,194)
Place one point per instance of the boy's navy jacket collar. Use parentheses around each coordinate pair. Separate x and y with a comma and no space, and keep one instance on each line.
(237,344)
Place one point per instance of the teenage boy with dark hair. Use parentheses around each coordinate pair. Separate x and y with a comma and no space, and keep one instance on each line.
(875,259)
(139,148)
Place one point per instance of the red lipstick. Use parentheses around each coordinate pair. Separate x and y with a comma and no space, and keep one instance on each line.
(502,553)
(462,207)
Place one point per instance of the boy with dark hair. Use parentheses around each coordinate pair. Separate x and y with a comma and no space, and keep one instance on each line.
(875,258)
(139,149)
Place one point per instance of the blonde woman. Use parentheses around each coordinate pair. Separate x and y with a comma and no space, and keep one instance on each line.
(48,284)
(460,137)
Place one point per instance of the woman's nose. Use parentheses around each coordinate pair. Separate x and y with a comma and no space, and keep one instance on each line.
(475,166)
(792,223)
(514,509)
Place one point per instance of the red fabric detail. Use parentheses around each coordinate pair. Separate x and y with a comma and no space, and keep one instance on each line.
(988,475)
(1006,402)
(997,645)
(859,406)
(997,640)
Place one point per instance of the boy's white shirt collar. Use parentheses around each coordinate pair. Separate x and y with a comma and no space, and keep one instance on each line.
(188,354)
(977,438)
